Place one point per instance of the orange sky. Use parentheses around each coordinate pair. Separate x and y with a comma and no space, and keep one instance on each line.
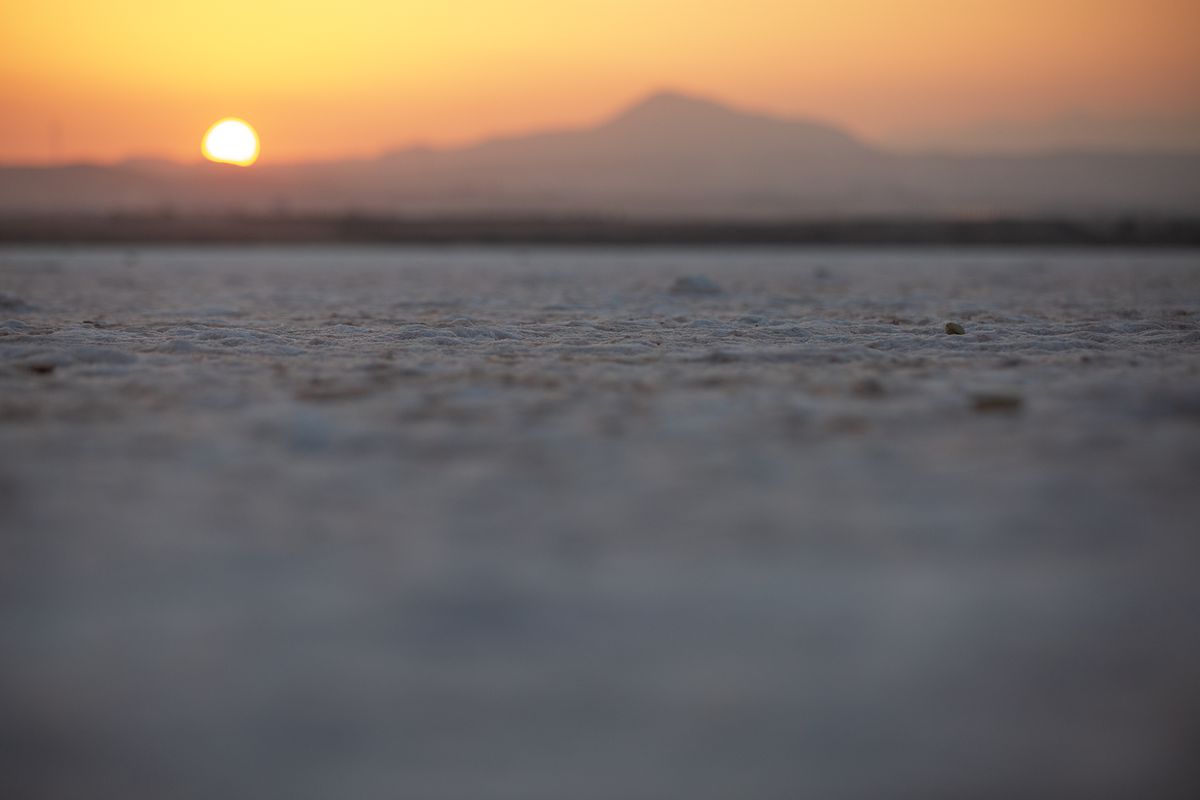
(81,79)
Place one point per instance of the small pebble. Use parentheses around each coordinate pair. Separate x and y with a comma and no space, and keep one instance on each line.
(996,402)
(868,387)
(955,328)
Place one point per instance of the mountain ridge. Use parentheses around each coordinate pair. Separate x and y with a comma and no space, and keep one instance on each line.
(667,153)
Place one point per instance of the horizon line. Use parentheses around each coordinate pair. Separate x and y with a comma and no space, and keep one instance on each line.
(638,101)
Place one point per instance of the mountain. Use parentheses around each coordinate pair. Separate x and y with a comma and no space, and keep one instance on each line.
(669,154)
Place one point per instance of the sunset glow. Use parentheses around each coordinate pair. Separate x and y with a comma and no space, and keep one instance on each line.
(89,80)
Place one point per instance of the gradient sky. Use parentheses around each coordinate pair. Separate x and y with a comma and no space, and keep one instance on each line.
(105,80)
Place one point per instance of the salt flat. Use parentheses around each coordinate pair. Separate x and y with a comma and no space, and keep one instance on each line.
(472,523)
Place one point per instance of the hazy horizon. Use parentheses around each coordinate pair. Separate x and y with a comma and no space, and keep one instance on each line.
(1066,132)
(668,154)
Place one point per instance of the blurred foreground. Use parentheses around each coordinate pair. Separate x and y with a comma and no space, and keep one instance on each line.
(492,523)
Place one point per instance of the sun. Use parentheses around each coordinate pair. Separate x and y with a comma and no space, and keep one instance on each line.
(231,141)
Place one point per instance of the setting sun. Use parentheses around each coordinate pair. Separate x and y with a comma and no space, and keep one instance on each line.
(231,141)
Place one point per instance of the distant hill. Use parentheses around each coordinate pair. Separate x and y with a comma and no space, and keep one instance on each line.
(667,155)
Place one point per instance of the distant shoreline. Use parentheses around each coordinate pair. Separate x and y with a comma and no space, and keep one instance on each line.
(482,230)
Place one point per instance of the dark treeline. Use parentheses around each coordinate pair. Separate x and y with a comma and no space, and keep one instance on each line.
(460,230)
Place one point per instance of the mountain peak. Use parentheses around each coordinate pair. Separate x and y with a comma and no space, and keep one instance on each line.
(689,120)
(671,105)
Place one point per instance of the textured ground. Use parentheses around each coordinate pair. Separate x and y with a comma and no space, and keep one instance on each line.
(500,524)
